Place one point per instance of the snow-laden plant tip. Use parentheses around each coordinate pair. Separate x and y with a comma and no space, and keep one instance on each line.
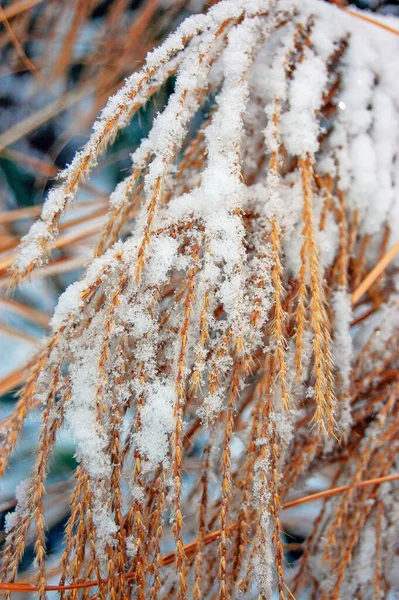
(216,324)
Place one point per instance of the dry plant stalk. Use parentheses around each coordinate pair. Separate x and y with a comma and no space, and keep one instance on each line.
(122,39)
(217,315)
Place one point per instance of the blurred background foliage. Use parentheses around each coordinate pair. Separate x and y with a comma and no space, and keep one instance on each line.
(60,63)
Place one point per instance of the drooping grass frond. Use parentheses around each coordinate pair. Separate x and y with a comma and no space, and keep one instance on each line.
(215,322)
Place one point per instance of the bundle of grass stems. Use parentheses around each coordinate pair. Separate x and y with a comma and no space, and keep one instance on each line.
(235,335)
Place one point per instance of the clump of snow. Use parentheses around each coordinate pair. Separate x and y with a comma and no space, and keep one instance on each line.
(81,416)
(71,301)
(300,128)
(32,245)
(157,422)
(21,496)
(162,255)
(342,340)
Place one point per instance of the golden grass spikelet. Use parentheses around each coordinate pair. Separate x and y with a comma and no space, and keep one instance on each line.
(325,402)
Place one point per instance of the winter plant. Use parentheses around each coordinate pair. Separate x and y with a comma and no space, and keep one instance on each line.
(226,319)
